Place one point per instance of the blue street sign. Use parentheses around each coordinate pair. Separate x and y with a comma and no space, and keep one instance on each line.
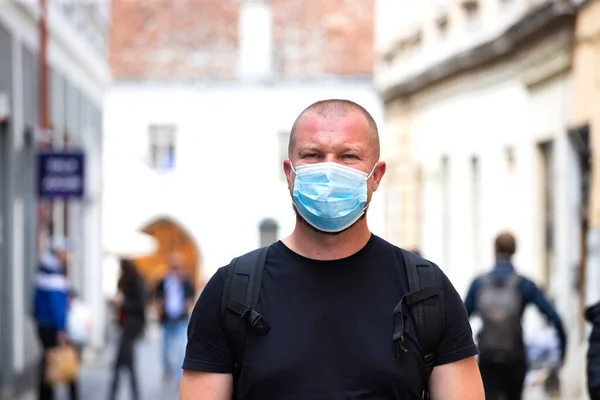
(60,174)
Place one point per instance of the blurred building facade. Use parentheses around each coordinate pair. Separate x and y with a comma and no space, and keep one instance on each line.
(198,118)
(480,139)
(586,124)
(78,73)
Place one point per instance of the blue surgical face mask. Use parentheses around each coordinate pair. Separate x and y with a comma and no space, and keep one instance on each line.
(330,196)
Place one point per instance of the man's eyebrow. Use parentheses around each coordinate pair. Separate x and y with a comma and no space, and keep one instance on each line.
(308,147)
(311,147)
(350,147)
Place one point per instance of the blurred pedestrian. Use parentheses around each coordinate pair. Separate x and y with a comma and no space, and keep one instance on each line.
(175,299)
(79,330)
(50,305)
(327,312)
(129,305)
(592,314)
(499,298)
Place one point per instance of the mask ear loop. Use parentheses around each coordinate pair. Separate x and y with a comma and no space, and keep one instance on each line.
(293,169)
(369,177)
(373,170)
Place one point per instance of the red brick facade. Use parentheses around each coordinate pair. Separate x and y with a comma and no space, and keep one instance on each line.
(198,39)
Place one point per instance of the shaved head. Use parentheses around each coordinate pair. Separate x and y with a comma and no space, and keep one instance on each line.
(334,109)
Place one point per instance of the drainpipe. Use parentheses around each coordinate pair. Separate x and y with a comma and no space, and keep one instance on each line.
(45,139)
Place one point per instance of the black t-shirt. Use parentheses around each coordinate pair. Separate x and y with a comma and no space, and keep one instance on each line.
(331,330)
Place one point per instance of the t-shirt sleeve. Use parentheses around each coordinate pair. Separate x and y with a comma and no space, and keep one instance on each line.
(457,342)
(207,348)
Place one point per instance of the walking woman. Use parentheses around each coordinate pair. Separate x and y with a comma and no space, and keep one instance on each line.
(129,304)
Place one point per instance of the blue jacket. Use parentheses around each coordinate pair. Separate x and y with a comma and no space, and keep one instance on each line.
(51,294)
(530,294)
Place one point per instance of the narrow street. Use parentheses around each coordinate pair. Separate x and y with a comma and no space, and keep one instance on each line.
(96,375)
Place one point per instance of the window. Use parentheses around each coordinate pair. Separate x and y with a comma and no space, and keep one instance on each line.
(442,24)
(269,231)
(471,9)
(510,185)
(476,208)
(162,146)
(446,209)
(283,141)
(414,43)
(546,150)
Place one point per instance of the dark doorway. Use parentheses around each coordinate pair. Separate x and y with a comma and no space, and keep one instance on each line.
(580,141)
(546,150)
(5,278)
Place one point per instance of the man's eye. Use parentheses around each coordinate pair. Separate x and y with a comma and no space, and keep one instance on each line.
(310,155)
(349,156)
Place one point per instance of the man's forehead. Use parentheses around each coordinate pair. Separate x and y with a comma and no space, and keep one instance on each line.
(352,125)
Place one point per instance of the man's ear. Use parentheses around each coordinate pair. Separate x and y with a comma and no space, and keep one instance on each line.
(378,173)
(290,176)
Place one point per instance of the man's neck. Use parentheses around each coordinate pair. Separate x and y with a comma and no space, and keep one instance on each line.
(321,246)
(503,257)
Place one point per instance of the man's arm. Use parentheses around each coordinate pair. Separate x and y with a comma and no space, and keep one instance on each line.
(455,375)
(209,361)
(197,385)
(546,308)
(459,380)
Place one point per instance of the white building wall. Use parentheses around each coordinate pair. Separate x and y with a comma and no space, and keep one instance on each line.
(493,113)
(87,71)
(227,174)
(483,120)
(466,121)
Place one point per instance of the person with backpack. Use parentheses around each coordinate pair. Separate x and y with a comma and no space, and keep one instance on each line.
(175,296)
(499,298)
(331,311)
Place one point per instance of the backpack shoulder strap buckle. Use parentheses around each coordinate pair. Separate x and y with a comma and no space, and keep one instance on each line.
(399,328)
(256,321)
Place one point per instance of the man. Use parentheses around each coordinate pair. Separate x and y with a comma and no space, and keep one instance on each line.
(500,298)
(50,305)
(592,315)
(175,297)
(329,291)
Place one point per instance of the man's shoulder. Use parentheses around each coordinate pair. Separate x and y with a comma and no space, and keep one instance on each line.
(401,252)
(249,256)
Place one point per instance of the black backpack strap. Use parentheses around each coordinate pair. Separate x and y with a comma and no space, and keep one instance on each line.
(426,302)
(240,297)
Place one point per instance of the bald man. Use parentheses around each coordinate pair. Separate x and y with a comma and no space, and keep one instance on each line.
(500,298)
(329,290)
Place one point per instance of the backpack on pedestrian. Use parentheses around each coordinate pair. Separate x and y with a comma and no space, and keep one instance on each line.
(499,303)
(425,302)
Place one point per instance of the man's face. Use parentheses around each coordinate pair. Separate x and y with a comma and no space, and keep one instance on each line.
(63,256)
(345,140)
(175,262)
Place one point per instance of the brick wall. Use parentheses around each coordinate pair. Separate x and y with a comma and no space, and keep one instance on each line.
(198,39)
